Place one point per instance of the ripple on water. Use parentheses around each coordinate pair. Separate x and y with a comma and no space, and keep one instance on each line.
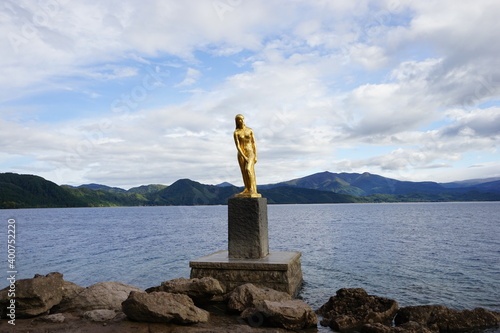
(426,253)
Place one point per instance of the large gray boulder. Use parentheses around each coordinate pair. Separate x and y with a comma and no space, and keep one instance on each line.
(352,308)
(249,296)
(200,290)
(288,314)
(33,296)
(107,295)
(441,319)
(162,307)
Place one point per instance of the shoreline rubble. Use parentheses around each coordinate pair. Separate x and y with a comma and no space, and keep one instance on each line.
(49,303)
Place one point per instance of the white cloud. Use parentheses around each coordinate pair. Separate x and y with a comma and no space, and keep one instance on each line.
(475,131)
(192,75)
(421,79)
(477,123)
(371,57)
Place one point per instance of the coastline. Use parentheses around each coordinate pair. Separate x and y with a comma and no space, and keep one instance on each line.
(51,304)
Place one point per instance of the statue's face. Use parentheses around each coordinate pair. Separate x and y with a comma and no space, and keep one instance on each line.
(240,121)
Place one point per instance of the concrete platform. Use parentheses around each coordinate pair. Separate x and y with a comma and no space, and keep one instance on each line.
(280,270)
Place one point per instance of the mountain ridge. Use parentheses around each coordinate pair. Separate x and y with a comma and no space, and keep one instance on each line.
(28,191)
(363,184)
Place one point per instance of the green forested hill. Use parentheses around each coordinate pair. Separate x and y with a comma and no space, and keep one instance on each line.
(102,188)
(186,192)
(294,195)
(367,184)
(360,184)
(29,191)
(39,192)
(104,198)
(146,189)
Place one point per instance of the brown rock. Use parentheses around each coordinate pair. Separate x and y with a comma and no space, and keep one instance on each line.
(76,324)
(103,295)
(33,296)
(442,319)
(425,315)
(249,296)
(162,307)
(70,290)
(200,290)
(413,327)
(289,314)
(350,309)
(410,327)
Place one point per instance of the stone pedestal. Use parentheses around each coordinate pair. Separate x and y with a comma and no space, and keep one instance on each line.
(248,259)
(247,230)
(280,270)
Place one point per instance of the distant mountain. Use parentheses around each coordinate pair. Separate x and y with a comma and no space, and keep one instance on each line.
(99,187)
(493,187)
(297,195)
(104,198)
(224,184)
(366,184)
(146,189)
(470,182)
(28,191)
(186,192)
(324,181)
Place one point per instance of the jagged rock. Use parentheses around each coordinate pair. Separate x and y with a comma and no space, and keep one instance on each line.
(103,295)
(352,308)
(200,290)
(409,327)
(33,296)
(249,296)
(99,315)
(439,318)
(162,307)
(289,314)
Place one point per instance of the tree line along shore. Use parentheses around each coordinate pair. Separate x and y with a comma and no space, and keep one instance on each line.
(30,191)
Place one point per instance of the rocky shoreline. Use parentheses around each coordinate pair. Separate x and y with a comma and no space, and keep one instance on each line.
(51,304)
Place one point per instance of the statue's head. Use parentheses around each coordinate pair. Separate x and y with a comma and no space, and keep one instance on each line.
(240,120)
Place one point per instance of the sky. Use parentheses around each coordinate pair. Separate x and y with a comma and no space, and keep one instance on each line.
(128,93)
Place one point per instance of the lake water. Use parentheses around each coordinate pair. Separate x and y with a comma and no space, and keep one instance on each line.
(415,253)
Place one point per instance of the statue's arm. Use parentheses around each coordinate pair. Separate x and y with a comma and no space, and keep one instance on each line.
(238,146)
(254,146)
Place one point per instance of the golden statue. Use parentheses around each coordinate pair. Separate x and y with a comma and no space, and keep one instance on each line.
(247,157)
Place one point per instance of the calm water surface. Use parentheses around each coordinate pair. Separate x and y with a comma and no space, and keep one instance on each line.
(416,253)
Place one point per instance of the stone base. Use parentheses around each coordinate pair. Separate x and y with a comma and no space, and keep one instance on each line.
(247,228)
(279,270)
